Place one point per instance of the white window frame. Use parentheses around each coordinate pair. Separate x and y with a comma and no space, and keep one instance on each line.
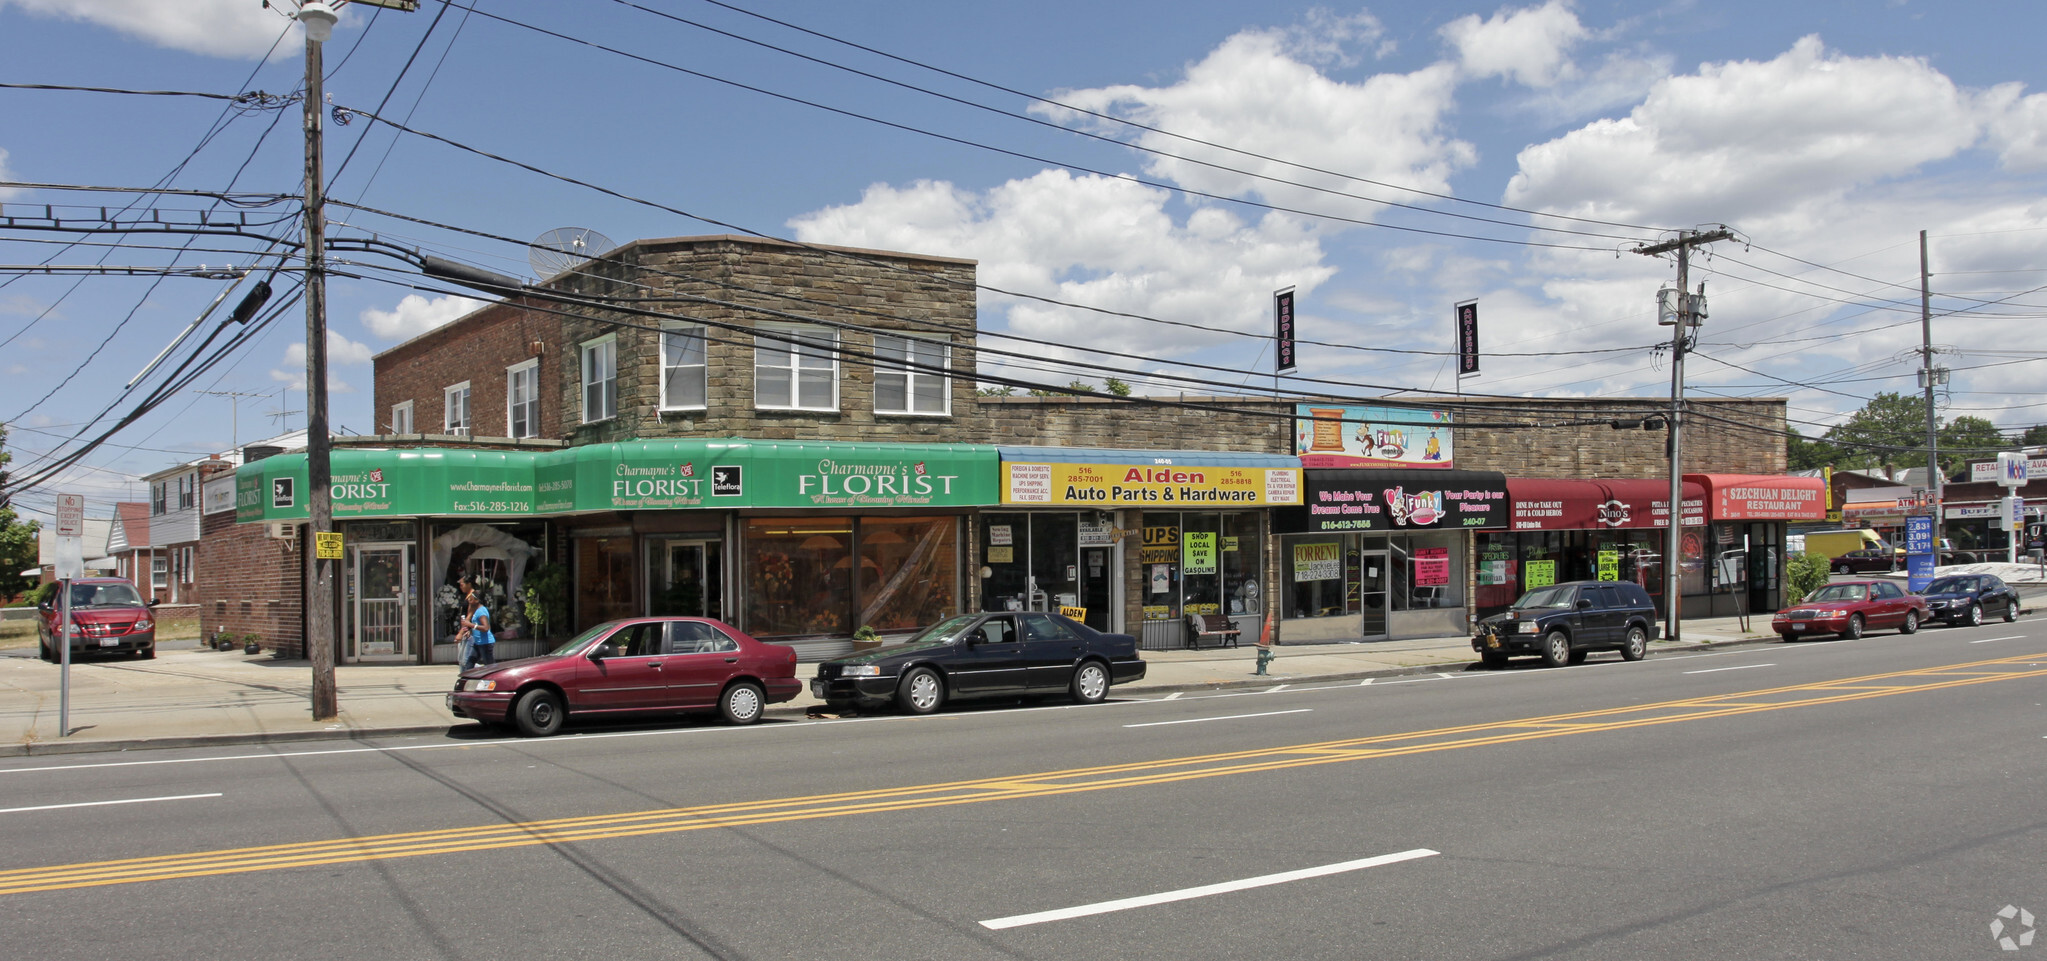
(185,566)
(159,571)
(188,491)
(401,418)
(466,425)
(159,498)
(530,368)
(606,349)
(795,363)
(895,347)
(679,330)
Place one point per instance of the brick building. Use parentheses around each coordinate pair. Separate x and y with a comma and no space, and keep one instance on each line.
(814,372)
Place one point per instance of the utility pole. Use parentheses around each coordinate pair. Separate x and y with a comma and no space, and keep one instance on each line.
(318,17)
(1930,377)
(1682,311)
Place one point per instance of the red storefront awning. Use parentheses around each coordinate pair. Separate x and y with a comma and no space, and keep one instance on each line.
(1536,504)
(1763,497)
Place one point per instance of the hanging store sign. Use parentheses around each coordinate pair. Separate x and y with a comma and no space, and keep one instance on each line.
(1566,505)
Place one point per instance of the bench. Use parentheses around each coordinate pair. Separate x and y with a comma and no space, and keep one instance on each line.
(1217,627)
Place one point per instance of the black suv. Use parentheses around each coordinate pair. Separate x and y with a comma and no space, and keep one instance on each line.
(1561,622)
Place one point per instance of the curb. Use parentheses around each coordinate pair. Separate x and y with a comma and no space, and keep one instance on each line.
(51,748)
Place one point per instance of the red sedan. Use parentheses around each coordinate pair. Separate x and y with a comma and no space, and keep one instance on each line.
(1848,608)
(639,665)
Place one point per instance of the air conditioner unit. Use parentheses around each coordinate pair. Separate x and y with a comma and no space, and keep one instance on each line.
(284,531)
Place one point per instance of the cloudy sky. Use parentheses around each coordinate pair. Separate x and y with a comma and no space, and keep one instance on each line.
(1156,169)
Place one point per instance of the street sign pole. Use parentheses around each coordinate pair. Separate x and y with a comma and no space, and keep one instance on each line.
(70,564)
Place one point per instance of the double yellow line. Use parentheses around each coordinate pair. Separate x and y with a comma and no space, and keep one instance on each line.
(1109,777)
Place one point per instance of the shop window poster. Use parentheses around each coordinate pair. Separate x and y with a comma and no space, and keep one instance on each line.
(1317,562)
(1198,555)
(1431,566)
(1540,574)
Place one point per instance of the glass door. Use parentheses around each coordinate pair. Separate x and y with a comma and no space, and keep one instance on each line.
(1372,576)
(1097,574)
(686,578)
(382,578)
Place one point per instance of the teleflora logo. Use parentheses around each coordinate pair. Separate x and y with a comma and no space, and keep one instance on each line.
(2013,927)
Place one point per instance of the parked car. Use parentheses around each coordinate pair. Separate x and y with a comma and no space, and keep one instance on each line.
(982,655)
(1868,560)
(640,665)
(1848,608)
(108,616)
(1563,622)
(1965,598)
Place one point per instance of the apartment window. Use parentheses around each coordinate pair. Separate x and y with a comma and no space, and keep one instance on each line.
(907,390)
(185,564)
(455,401)
(188,490)
(683,372)
(522,399)
(159,571)
(401,418)
(796,369)
(600,379)
(159,498)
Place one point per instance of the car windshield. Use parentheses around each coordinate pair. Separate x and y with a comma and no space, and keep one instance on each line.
(1952,585)
(104,595)
(944,631)
(1545,597)
(581,639)
(1840,592)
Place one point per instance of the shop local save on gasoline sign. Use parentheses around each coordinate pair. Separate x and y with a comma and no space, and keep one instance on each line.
(1139,485)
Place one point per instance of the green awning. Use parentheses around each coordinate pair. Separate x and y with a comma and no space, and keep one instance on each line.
(637,475)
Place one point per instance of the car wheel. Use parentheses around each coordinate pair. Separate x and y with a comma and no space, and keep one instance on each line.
(1838,568)
(1854,627)
(1975,615)
(1090,683)
(1788,638)
(920,691)
(46,652)
(1493,659)
(538,713)
(2011,611)
(742,703)
(1556,649)
(1911,625)
(1636,646)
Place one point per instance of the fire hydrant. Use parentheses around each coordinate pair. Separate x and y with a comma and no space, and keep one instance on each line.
(1264,657)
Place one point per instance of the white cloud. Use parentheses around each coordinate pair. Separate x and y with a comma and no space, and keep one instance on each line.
(1250,91)
(2018,129)
(1530,46)
(1331,39)
(415,315)
(239,29)
(7,193)
(340,352)
(1753,142)
(1102,241)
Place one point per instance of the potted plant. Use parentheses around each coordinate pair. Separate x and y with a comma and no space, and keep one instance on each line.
(866,638)
(252,643)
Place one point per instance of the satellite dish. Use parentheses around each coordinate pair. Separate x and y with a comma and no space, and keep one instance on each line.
(565,247)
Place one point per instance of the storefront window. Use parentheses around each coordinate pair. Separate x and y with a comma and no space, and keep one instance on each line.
(1160,557)
(831,575)
(1312,575)
(1201,563)
(1055,562)
(909,571)
(1243,563)
(1427,571)
(1005,552)
(604,580)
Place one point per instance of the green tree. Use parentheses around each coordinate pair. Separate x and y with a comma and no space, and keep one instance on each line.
(997,390)
(18,551)
(2035,436)
(1805,573)
(1116,387)
(1805,453)
(1968,438)
(1888,432)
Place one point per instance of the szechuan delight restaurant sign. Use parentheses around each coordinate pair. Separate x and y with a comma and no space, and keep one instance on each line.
(1135,485)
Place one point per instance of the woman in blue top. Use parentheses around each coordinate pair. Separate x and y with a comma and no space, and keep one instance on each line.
(483,643)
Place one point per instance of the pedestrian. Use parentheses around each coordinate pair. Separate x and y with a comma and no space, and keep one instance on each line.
(465,588)
(483,642)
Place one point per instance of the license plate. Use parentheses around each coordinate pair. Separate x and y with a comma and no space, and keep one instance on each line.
(1798,627)
(110,642)
(817,687)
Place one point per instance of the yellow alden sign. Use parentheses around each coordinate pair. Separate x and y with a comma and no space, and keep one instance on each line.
(1126,485)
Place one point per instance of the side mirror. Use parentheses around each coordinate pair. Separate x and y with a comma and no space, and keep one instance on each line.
(154,601)
(602,651)
(1584,602)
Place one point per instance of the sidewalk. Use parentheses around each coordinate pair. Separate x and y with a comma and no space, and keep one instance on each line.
(188,696)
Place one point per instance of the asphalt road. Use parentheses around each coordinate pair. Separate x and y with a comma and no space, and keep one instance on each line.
(1869,799)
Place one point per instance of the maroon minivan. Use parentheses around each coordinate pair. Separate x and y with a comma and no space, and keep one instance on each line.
(108,616)
(639,665)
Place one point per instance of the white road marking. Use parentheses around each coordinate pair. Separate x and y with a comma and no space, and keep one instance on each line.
(94,804)
(1173,696)
(1185,894)
(2014,637)
(1229,717)
(1367,682)
(1716,670)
